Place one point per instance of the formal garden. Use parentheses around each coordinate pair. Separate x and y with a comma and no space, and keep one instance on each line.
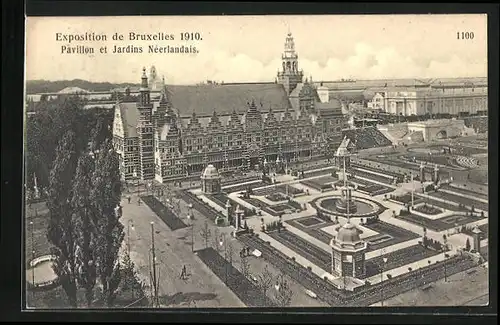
(398,258)
(427,209)
(440,224)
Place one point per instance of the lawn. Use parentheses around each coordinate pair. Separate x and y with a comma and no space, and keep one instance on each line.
(398,235)
(321,184)
(398,258)
(166,214)
(427,209)
(247,291)
(440,224)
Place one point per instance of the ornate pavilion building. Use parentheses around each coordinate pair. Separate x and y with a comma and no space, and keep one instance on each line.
(227,125)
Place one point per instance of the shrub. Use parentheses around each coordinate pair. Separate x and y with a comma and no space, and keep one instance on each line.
(309,268)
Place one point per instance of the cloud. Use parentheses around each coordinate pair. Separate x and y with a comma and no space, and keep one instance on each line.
(365,63)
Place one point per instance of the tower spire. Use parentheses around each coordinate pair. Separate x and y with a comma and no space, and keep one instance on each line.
(144,79)
(290,75)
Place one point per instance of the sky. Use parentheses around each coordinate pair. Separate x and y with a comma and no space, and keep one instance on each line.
(248,48)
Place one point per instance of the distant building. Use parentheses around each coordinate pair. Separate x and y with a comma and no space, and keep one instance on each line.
(454,99)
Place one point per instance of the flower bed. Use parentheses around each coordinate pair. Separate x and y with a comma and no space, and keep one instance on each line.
(276,197)
(247,291)
(428,209)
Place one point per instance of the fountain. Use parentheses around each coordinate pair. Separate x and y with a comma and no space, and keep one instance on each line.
(345,204)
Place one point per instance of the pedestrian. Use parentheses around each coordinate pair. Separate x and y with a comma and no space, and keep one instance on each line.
(183,272)
(128,198)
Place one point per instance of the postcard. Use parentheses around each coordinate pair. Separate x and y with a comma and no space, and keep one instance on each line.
(256,161)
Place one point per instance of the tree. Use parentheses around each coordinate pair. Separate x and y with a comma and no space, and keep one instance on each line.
(265,282)
(106,195)
(101,130)
(205,233)
(216,244)
(284,293)
(230,252)
(245,266)
(467,245)
(47,127)
(84,229)
(130,281)
(60,232)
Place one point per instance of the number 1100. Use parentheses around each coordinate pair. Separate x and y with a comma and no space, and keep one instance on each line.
(465,35)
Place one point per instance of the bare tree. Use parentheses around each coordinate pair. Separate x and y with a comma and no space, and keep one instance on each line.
(216,239)
(265,282)
(230,252)
(245,266)
(283,293)
(205,233)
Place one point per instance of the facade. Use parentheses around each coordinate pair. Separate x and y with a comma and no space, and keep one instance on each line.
(348,253)
(439,129)
(229,126)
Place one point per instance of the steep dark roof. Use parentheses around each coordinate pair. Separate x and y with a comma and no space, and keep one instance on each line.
(225,98)
(333,105)
(130,115)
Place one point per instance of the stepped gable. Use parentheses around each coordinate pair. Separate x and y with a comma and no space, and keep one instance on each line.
(214,125)
(234,122)
(287,118)
(169,130)
(271,120)
(194,124)
(226,97)
(253,117)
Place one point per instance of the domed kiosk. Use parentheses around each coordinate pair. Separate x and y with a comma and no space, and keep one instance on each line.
(210,180)
(348,252)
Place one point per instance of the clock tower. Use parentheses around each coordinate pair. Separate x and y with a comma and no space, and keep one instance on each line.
(290,75)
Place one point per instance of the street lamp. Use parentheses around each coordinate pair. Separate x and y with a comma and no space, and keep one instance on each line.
(129,225)
(412,191)
(445,272)
(384,260)
(154,264)
(223,242)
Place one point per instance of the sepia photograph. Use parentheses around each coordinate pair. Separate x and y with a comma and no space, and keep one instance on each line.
(269,161)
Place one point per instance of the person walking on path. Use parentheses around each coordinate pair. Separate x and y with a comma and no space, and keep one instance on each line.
(128,198)
(183,272)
